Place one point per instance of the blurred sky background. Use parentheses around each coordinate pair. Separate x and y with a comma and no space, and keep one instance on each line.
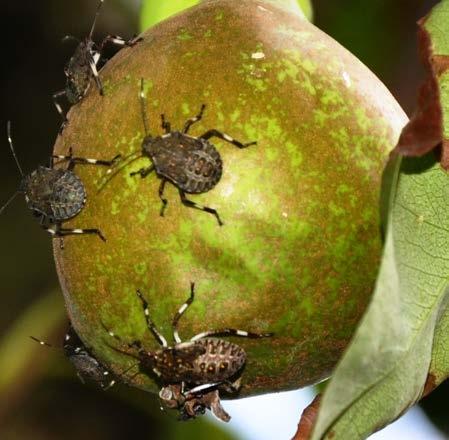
(44,400)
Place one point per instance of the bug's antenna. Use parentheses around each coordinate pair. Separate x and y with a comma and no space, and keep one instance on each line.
(9,201)
(95,19)
(111,174)
(143,107)
(39,341)
(8,131)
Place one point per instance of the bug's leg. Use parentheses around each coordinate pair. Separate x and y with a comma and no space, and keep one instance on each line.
(119,41)
(166,126)
(196,118)
(230,332)
(93,60)
(180,312)
(225,137)
(113,381)
(56,231)
(143,171)
(56,98)
(162,341)
(85,161)
(81,378)
(201,389)
(161,196)
(189,203)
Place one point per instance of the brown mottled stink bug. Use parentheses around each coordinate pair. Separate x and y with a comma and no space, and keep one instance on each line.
(82,66)
(55,195)
(87,367)
(192,164)
(201,365)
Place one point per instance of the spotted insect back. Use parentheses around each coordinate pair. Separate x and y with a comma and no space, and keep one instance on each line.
(193,165)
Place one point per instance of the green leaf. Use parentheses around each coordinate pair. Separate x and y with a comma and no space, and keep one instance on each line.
(306,6)
(154,11)
(437,25)
(401,348)
(384,370)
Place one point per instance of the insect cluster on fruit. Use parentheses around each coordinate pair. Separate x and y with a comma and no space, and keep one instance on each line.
(192,373)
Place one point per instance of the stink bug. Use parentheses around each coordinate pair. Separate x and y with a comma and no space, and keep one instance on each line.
(191,404)
(199,366)
(55,195)
(191,164)
(87,367)
(82,66)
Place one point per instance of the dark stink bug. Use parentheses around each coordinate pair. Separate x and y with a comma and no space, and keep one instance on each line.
(87,367)
(55,195)
(191,164)
(199,366)
(82,66)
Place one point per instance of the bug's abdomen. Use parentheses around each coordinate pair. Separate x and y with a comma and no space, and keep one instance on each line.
(193,165)
(68,196)
(79,74)
(221,361)
(203,171)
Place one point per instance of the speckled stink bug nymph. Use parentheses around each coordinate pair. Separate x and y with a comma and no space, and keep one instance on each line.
(201,365)
(82,66)
(56,195)
(88,368)
(191,164)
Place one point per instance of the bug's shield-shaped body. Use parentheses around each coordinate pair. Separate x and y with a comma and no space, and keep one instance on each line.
(56,194)
(191,164)
(198,362)
(87,367)
(79,71)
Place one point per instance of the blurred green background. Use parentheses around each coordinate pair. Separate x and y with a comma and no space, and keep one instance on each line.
(43,399)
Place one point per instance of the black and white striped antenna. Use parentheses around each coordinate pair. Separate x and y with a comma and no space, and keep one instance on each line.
(95,19)
(8,133)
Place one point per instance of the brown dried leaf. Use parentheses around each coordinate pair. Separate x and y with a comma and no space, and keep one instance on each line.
(424,132)
(307,420)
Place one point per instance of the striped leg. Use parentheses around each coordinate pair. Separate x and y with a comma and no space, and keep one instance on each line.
(119,41)
(56,100)
(230,332)
(180,312)
(196,118)
(225,137)
(56,231)
(93,60)
(85,161)
(189,203)
(162,341)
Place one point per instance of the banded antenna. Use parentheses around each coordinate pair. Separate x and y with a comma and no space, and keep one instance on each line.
(143,107)
(95,19)
(8,133)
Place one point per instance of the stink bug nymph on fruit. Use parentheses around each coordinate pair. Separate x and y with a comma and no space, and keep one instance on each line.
(201,365)
(191,164)
(82,66)
(88,368)
(56,195)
